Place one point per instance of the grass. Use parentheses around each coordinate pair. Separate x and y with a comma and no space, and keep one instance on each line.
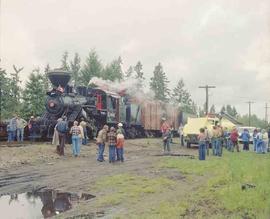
(126,188)
(222,194)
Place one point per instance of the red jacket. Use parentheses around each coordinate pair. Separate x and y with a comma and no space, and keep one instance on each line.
(164,127)
(234,136)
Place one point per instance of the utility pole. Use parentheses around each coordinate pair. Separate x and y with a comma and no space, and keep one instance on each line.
(249,111)
(266,113)
(206,87)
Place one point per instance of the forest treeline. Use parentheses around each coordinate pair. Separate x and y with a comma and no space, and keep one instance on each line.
(29,99)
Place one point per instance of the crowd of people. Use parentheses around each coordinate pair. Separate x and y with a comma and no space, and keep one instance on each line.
(16,126)
(219,138)
(78,132)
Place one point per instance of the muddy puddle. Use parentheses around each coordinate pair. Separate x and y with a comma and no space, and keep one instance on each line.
(44,203)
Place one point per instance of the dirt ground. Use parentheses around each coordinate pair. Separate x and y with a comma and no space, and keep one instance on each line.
(28,166)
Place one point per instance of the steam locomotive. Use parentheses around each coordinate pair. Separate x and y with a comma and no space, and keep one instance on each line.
(99,106)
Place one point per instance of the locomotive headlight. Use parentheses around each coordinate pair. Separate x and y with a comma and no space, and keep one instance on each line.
(51,104)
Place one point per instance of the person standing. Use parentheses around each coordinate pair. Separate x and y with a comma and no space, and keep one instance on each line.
(259,145)
(255,132)
(202,144)
(13,127)
(32,126)
(165,126)
(62,128)
(120,147)
(265,141)
(215,140)
(207,140)
(120,129)
(245,136)
(101,140)
(226,136)
(112,144)
(268,133)
(166,141)
(55,140)
(234,139)
(20,123)
(75,132)
(181,134)
(83,125)
(9,133)
(219,141)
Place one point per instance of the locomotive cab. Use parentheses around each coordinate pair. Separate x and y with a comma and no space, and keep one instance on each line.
(107,105)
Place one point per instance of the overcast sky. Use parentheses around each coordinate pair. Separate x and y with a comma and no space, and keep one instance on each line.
(225,43)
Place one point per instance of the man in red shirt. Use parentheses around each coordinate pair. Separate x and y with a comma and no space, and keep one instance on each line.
(165,126)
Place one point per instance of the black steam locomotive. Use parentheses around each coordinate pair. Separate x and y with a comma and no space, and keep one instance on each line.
(96,106)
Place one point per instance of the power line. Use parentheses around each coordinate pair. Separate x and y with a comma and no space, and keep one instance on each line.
(206,87)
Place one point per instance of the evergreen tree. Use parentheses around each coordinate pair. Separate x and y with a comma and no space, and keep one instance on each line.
(64,62)
(92,68)
(159,84)
(7,98)
(231,110)
(34,95)
(183,97)
(201,112)
(254,121)
(15,89)
(129,72)
(194,108)
(113,71)
(139,74)
(234,112)
(180,94)
(223,109)
(213,109)
(75,66)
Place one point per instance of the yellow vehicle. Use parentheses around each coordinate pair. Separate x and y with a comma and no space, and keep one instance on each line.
(192,128)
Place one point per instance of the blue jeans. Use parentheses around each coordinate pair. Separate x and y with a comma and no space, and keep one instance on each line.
(101,148)
(259,147)
(166,145)
(254,144)
(202,148)
(264,147)
(13,135)
(218,148)
(111,153)
(84,140)
(20,132)
(120,154)
(76,145)
(9,136)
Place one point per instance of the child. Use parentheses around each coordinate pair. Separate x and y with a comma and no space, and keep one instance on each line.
(120,147)
(112,143)
(202,145)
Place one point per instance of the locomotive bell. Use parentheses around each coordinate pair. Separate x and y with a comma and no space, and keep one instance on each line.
(59,77)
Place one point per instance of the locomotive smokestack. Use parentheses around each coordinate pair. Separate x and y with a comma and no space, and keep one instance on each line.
(59,77)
